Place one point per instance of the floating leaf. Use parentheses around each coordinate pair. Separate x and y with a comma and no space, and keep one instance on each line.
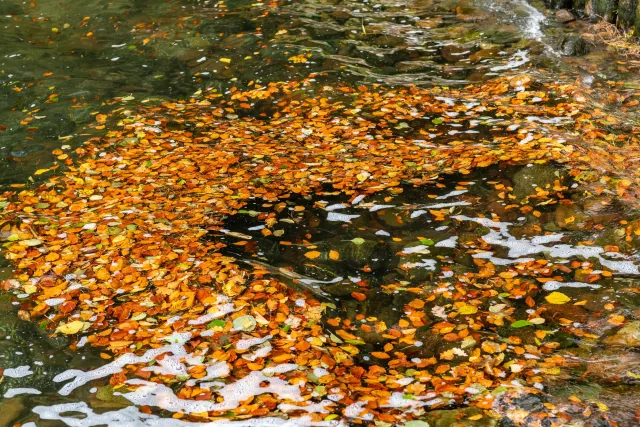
(71,327)
(521,324)
(312,254)
(334,255)
(557,298)
(380,355)
(32,242)
(245,323)
(357,241)
(218,323)
(468,309)
(359,296)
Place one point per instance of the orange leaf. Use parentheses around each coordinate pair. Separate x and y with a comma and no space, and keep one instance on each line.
(359,296)
(312,254)
(380,355)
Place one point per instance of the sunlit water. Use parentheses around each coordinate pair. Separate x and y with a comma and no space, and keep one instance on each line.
(62,63)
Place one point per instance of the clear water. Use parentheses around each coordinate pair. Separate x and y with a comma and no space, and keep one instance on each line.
(64,62)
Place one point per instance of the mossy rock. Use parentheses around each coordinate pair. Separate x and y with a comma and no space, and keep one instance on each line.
(527,179)
(459,418)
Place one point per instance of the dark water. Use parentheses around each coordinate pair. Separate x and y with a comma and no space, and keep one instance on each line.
(64,62)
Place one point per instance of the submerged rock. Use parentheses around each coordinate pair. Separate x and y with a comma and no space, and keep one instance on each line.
(574,45)
(460,417)
(564,16)
(528,179)
(627,336)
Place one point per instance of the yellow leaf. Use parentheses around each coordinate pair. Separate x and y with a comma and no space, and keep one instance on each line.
(71,327)
(468,309)
(312,254)
(334,255)
(227,60)
(41,171)
(557,298)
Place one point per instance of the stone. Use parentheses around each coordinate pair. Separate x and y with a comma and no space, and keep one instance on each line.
(430,22)
(454,53)
(574,45)
(569,217)
(11,410)
(527,179)
(627,336)
(415,66)
(564,16)
(460,417)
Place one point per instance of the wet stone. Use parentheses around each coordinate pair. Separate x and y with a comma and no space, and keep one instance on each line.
(574,45)
(627,336)
(454,53)
(563,16)
(430,22)
(536,176)
(460,417)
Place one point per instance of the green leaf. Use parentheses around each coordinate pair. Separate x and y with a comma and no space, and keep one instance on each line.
(132,227)
(13,238)
(358,241)
(428,242)
(521,324)
(437,121)
(245,323)
(214,323)
(355,342)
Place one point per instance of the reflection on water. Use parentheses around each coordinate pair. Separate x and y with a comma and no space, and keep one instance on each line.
(63,63)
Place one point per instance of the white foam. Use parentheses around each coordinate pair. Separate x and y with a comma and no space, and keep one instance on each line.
(132,417)
(311,408)
(223,307)
(451,242)
(420,249)
(80,378)
(335,207)
(19,372)
(427,264)
(52,302)
(451,194)
(161,396)
(554,285)
(499,235)
(248,343)
(376,208)
(18,391)
(519,58)
(339,217)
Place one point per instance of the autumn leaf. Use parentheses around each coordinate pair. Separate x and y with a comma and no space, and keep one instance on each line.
(557,298)
(521,324)
(359,296)
(468,309)
(380,355)
(312,254)
(71,327)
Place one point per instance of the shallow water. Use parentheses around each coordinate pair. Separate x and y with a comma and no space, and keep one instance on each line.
(63,63)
